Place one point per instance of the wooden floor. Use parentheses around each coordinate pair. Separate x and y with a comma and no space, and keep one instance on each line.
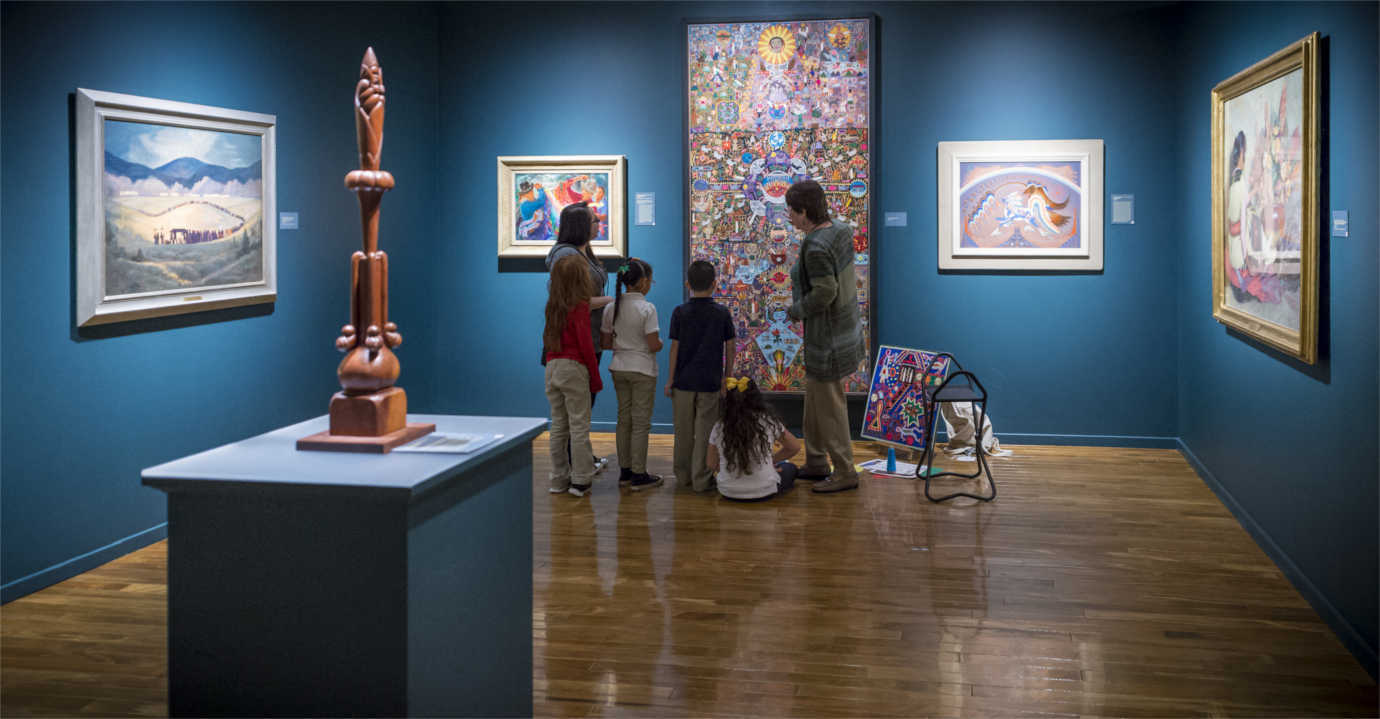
(1100,582)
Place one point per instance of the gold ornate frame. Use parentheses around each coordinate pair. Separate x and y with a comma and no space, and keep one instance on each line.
(1301,343)
(615,165)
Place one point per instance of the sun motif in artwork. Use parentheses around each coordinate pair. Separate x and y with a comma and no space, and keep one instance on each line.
(776,44)
(839,36)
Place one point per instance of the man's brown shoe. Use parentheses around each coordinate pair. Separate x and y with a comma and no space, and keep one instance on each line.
(835,484)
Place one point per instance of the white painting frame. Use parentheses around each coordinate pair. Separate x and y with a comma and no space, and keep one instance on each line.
(1087,155)
(511,169)
(94,304)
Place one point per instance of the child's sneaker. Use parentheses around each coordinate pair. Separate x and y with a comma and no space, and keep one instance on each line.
(580,490)
(644,481)
(600,463)
(556,490)
(625,475)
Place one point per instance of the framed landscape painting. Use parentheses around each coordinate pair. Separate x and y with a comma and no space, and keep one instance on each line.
(1265,220)
(175,207)
(769,103)
(532,191)
(1021,205)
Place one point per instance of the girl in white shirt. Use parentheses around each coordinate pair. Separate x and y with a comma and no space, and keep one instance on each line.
(630,329)
(743,445)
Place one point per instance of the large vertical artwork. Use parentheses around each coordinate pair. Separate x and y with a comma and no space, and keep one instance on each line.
(1265,204)
(1020,205)
(771,104)
(174,207)
(896,410)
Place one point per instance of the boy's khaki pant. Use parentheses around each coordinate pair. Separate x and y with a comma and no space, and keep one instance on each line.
(567,389)
(636,397)
(826,429)
(695,414)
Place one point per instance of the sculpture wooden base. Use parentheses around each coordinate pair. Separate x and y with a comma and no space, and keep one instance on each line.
(327,442)
(374,422)
(369,415)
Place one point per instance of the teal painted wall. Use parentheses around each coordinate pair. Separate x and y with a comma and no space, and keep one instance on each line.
(1291,448)
(1129,355)
(84,411)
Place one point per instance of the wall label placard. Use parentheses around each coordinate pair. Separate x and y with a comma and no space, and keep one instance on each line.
(1123,209)
(895,219)
(646,208)
(287,220)
(1341,223)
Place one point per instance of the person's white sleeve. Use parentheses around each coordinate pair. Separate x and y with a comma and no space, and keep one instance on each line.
(606,324)
(716,435)
(649,323)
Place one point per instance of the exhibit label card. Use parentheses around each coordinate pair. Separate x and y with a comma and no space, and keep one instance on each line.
(646,208)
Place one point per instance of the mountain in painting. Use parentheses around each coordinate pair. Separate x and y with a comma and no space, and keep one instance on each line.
(185,171)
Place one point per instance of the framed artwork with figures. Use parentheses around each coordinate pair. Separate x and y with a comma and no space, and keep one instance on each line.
(533,190)
(175,207)
(1021,205)
(770,103)
(1265,214)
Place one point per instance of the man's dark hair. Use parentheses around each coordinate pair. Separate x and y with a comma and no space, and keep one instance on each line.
(700,275)
(808,197)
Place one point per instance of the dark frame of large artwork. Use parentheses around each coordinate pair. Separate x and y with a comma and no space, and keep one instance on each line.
(871,154)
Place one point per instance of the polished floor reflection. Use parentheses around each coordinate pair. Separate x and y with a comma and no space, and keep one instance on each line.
(1102,581)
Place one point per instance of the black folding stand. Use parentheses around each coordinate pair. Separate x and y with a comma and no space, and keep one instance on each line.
(972,392)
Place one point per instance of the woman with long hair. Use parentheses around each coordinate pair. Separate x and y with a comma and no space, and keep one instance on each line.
(578,227)
(572,376)
(749,445)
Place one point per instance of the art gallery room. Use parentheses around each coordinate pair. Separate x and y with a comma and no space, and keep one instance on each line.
(1112,440)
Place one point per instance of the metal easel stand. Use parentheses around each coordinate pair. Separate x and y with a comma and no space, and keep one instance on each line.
(971,391)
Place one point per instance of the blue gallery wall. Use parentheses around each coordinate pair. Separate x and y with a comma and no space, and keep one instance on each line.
(1291,448)
(84,411)
(1071,357)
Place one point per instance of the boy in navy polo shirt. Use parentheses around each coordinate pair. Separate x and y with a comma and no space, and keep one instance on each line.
(702,348)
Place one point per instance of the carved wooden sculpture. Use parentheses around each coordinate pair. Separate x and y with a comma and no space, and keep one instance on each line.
(370,413)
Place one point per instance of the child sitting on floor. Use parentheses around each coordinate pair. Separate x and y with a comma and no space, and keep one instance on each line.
(741,446)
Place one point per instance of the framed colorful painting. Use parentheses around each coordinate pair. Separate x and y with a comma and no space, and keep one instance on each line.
(175,207)
(770,103)
(1021,205)
(1265,200)
(532,191)
(897,412)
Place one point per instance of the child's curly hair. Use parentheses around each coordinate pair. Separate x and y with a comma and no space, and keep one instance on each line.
(746,419)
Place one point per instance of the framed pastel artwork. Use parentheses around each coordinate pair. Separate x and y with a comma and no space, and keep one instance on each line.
(532,191)
(175,207)
(1021,205)
(770,103)
(1265,218)
(897,412)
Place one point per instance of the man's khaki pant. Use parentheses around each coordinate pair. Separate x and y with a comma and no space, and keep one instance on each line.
(826,430)
(636,397)
(695,414)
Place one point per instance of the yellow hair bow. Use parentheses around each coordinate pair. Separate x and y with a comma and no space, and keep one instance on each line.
(740,384)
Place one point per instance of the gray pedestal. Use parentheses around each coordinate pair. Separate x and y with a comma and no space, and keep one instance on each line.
(335,584)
